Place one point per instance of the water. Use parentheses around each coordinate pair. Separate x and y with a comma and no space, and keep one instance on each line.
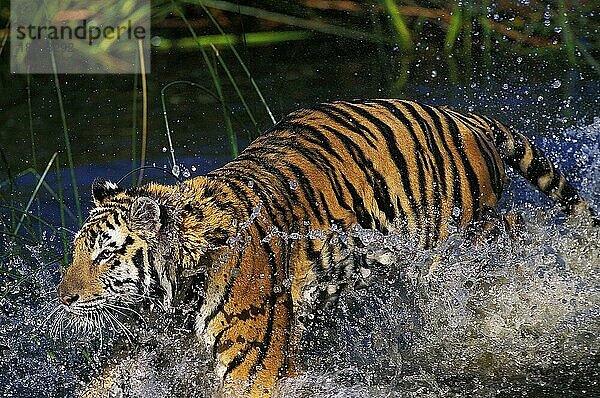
(505,319)
(500,319)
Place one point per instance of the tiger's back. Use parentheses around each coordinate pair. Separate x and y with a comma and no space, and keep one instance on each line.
(384,164)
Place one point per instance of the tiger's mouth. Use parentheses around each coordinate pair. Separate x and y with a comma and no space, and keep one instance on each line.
(96,316)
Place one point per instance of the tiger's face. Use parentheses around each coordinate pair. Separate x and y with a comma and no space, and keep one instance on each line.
(112,252)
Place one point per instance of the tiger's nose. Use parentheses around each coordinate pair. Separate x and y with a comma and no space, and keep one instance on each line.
(68,299)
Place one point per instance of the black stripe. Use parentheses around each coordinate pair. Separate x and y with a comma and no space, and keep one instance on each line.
(275,271)
(497,180)
(363,217)
(421,163)
(375,179)
(271,191)
(306,132)
(472,181)
(398,159)
(128,242)
(455,182)
(438,163)
(226,294)
(264,345)
(339,115)
(138,262)
(305,186)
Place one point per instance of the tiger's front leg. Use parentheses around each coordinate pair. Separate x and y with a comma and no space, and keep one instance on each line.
(254,354)
(112,378)
(106,384)
(248,321)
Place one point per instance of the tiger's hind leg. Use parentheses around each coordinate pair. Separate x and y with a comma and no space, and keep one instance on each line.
(340,265)
(491,225)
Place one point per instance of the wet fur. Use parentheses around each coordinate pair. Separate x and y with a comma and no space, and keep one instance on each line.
(256,244)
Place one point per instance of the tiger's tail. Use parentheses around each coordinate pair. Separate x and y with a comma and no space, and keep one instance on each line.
(523,156)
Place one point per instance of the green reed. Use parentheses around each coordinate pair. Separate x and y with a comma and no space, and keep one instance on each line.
(216,82)
(402,31)
(63,119)
(34,194)
(63,221)
(567,36)
(230,40)
(454,27)
(242,64)
(134,99)
(309,24)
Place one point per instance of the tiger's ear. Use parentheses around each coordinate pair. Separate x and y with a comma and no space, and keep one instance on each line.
(144,216)
(103,189)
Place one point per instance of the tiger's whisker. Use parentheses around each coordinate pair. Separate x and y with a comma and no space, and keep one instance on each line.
(119,309)
(50,315)
(127,333)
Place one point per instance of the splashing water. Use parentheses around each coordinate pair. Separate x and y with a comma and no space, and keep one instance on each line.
(507,317)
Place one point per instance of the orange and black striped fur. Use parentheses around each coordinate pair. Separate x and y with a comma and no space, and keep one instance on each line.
(251,245)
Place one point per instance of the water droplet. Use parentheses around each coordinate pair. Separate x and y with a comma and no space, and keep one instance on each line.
(293,184)
(556,83)
(519,60)
(164,149)
(434,73)
(156,41)
(557,29)
(250,184)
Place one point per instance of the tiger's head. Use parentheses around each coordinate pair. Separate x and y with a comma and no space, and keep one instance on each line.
(112,252)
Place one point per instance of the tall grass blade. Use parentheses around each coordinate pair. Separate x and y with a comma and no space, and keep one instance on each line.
(588,57)
(35,191)
(240,61)
(230,76)
(316,26)
(453,27)
(32,138)
(4,160)
(144,112)
(37,219)
(164,109)
(134,127)
(30,120)
(227,39)
(67,140)
(486,29)
(231,135)
(467,29)
(62,207)
(5,37)
(235,86)
(402,30)
(217,83)
(566,33)
(44,184)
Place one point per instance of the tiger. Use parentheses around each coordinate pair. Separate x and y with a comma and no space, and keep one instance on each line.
(250,245)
